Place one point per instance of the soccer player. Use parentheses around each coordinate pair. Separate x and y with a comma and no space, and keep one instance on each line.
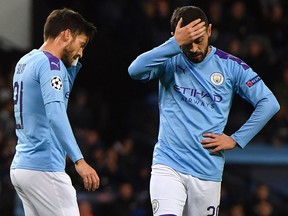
(42,82)
(197,83)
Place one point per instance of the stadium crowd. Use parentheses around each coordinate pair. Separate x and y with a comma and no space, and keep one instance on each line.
(117,134)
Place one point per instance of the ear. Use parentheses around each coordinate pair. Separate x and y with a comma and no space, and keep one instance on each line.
(209,30)
(172,33)
(66,35)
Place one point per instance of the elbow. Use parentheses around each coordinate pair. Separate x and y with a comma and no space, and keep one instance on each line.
(275,104)
(137,74)
(55,112)
(276,107)
(132,71)
(52,119)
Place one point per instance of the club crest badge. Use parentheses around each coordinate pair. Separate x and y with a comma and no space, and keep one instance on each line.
(155,206)
(217,78)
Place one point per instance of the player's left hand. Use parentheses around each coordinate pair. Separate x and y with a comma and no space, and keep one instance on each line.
(217,142)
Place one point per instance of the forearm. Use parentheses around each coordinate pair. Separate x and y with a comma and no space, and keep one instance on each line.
(72,72)
(147,65)
(264,111)
(60,125)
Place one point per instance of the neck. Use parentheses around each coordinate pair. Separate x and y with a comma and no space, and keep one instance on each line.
(208,50)
(53,46)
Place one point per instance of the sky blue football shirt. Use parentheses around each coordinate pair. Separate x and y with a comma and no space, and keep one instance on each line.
(195,98)
(42,85)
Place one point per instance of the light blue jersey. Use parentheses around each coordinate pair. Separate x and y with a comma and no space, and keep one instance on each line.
(195,98)
(41,85)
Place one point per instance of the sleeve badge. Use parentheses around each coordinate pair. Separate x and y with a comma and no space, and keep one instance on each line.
(56,83)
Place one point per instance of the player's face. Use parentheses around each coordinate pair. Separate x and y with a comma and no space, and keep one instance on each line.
(197,51)
(74,49)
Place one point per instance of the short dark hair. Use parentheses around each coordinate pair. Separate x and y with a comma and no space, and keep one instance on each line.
(62,19)
(188,14)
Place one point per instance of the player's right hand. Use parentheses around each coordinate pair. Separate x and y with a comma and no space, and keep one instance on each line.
(90,177)
(189,33)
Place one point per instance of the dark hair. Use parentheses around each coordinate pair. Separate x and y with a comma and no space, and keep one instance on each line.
(188,14)
(61,19)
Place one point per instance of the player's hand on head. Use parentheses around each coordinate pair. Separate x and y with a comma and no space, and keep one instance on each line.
(189,33)
(88,174)
(217,142)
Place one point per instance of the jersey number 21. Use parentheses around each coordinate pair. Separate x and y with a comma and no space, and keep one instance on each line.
(18,104)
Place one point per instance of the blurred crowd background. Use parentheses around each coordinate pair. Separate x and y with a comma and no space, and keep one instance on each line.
(115,119)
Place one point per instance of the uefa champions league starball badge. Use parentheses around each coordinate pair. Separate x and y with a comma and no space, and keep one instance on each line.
(56,83)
